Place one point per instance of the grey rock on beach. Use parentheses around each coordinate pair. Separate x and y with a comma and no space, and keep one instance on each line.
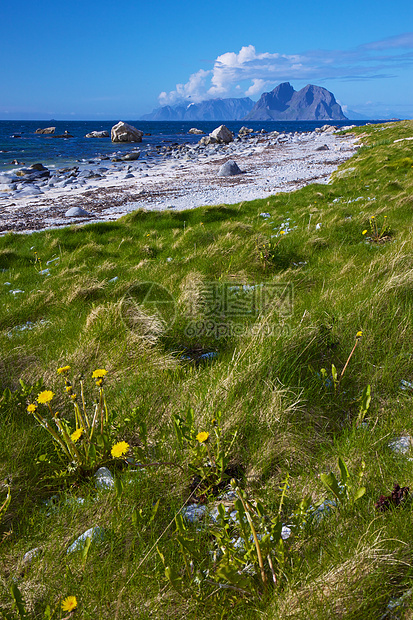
(122,132)
(229,169)
(77,212)
(131,156)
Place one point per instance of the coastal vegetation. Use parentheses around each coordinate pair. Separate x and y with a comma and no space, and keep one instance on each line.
(245,373)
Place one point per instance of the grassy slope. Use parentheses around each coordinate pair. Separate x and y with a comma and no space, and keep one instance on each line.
(266,386)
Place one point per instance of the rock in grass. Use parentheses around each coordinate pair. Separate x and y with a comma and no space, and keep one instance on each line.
(31,555)
(401,445)
(96,534)
(104,479)
(229,169)
(77,212)
(194,512)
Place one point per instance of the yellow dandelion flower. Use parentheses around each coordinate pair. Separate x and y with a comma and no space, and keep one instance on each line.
(73,396)
(31,408)
(100,372)
(202,437)
(68,388)
(45,397)
(77,434)
(359,335)
(119,449)
(69,603)
(63,369)
(372,217)
(364,232)
(282,232)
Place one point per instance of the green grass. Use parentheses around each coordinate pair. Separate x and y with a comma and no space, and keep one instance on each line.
(265,380)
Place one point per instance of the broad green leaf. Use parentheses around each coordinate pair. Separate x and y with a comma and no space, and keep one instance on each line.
(18,600)
(180,525)
(329,481)
(359,493)
(366,398)
(118,487)
(343,470)
(231,575)
(85,550)
(174,579)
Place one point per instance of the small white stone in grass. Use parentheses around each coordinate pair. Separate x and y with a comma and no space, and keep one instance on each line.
(285,532)
(401,445)
(96,534)
(104,479)
(31,555)
(323,509)
(17,290)
(318,226)
(265,215)
(194,512)
(115,279)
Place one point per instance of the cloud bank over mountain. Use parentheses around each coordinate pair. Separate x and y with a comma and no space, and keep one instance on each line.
(248,73)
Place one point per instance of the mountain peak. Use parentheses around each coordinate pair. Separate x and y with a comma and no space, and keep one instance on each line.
(283,103)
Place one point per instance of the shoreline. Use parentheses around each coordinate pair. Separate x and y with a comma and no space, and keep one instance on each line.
(180,178)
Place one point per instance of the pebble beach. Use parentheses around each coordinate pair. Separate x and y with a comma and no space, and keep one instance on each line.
(177,177)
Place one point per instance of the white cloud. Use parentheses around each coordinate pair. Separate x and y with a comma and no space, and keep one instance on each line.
(249,72)
(194,89)
(256,88)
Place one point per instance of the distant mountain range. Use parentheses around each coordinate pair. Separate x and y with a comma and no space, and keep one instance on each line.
(311,103)
(210,110)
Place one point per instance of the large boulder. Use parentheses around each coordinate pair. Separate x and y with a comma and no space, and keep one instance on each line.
(197,132)
(229,169)
(222,134)
(97,134)
(46,130)
(122,132)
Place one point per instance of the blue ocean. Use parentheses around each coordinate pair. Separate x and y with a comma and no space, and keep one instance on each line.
(19,142)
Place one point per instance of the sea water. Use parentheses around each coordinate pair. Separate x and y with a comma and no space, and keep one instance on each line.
(19,142)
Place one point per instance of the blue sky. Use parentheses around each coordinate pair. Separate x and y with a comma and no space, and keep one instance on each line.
(106,60)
